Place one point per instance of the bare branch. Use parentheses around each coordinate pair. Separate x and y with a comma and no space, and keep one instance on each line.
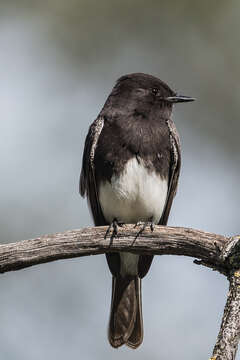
(229,335)
(90,241)
(211,250)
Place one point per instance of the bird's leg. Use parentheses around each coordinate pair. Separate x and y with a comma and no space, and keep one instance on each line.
(143,225)
(114,227)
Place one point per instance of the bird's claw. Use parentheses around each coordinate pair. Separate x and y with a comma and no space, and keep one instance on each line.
(114,227)
(144,225)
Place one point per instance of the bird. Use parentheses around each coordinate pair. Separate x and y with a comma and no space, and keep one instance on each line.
(130,170)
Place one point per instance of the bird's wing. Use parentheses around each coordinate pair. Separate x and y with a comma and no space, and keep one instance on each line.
(174,170)
(88,185)
(146,260)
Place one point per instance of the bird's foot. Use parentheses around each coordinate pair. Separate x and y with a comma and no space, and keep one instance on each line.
(115,224)
(144,225)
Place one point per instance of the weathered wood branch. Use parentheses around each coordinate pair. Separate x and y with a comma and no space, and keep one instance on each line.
(228,337)
(90,241)
(214,251)
(229,334)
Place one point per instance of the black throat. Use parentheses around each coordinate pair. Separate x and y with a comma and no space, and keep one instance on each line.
(143,134)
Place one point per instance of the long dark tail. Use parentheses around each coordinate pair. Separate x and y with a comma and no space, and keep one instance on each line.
(126,325)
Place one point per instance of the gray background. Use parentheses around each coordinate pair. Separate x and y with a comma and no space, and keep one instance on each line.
(59,60)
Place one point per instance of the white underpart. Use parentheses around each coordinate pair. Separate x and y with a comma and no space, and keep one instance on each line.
(136,195)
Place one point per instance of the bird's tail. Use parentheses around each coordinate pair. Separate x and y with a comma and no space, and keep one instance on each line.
(126,325)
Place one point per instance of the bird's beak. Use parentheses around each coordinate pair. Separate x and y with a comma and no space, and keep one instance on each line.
(179,98)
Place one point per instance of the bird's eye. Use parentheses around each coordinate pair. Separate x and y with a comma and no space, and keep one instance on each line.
(155,91)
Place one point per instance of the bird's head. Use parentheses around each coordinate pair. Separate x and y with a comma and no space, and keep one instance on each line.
(144,93)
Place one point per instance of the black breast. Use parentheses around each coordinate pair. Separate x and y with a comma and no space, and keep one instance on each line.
(122,139)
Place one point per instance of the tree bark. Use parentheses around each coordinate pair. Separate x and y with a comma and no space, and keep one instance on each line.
(90,241)
(215,251)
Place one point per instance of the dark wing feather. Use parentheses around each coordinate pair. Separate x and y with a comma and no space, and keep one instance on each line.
(87,185)
(174,170)
(146,260)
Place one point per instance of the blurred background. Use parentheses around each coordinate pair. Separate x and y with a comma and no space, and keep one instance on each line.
(59,61)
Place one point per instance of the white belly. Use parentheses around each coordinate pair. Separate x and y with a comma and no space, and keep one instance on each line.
(136,195)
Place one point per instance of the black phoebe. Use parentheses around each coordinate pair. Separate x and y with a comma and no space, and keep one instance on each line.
(130,171)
